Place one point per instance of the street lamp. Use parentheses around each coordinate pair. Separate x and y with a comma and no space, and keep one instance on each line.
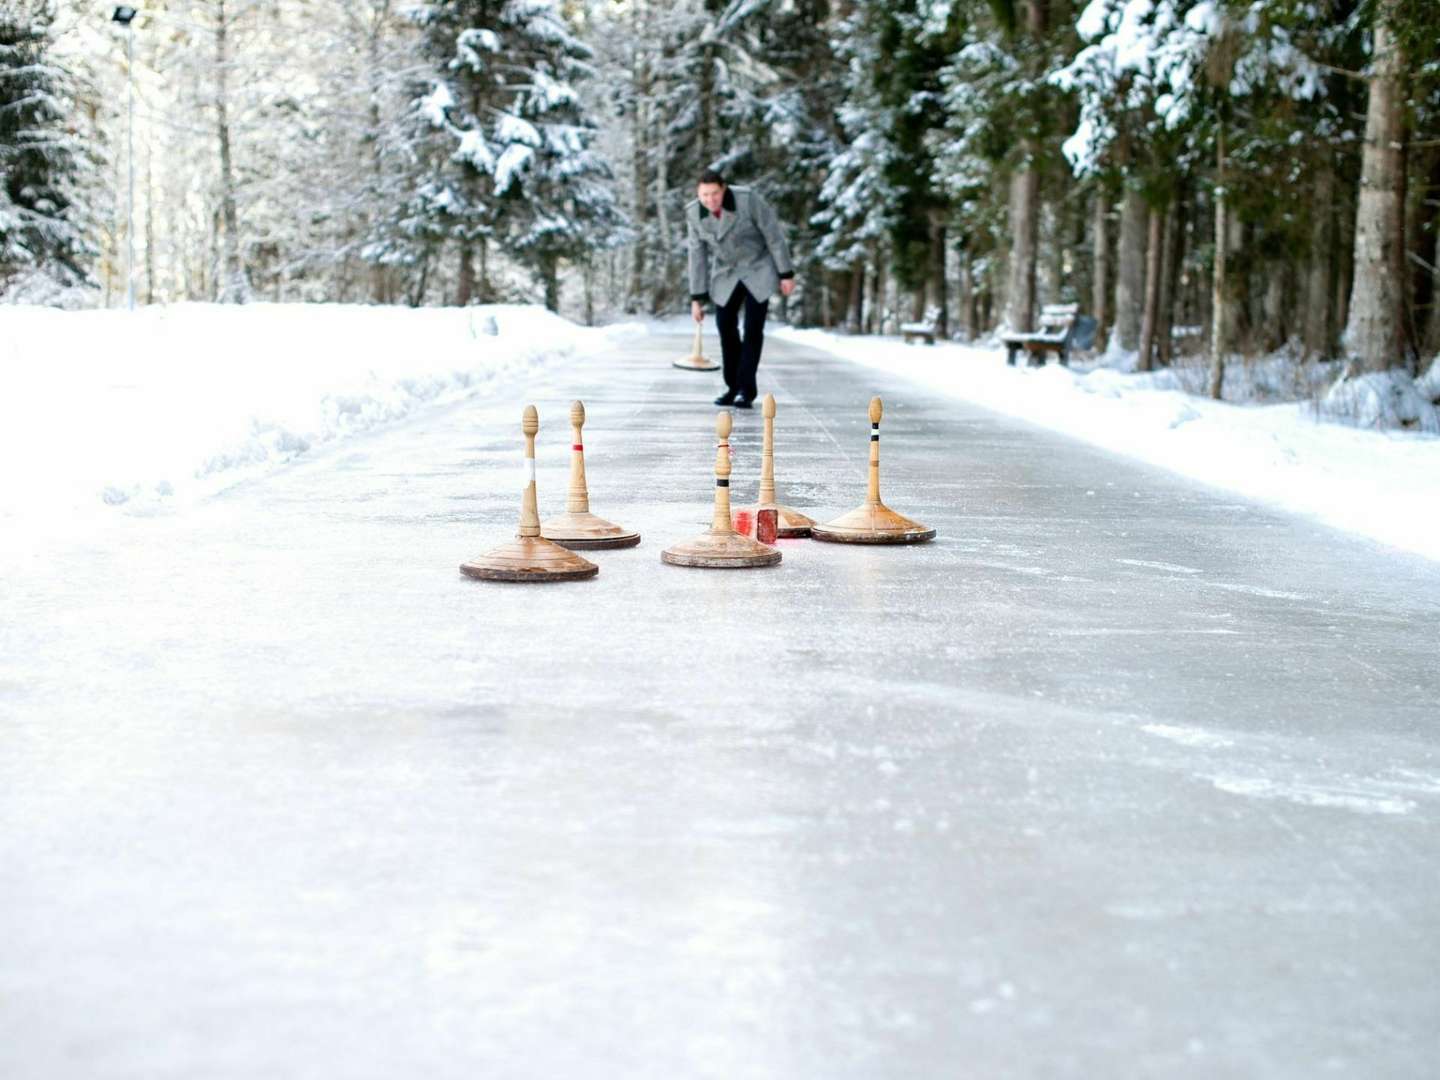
(125,16)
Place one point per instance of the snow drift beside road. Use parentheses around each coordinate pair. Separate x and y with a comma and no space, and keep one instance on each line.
(1380,484)
(166,403)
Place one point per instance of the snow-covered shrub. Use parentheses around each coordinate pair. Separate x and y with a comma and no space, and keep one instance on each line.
(1381,399)
(43,290)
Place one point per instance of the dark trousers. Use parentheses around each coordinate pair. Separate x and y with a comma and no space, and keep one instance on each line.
(741,356)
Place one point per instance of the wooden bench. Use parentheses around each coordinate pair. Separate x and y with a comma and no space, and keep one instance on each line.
(912,330)
(1061,329)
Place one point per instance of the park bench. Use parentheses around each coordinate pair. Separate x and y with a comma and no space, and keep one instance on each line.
(911,330)
(1061,329)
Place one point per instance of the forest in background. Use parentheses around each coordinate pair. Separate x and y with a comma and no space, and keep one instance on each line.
(1222,176)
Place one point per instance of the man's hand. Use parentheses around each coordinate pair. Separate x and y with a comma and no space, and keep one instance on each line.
(697,311)
(787,286)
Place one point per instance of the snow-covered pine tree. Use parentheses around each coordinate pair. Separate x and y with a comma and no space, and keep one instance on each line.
(42,216)
(1161,90)
(516,166)
(555,193)
(799,136)
(706,85)
(462,41)
(998,142)
(1001,127)
(855,206)
(711,87)
(915,38)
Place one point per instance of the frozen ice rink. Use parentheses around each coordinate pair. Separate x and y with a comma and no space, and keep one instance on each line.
(1118,777)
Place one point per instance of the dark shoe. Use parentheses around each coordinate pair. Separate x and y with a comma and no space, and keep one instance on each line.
(727,398)
(742,403)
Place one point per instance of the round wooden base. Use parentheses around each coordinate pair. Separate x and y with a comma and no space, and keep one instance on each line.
(791,524)
(724,551)
(529,558)
(872,524)
(586,532)
(696,363)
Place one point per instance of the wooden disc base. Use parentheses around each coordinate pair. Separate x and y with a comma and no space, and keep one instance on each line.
(586,532)
(790,524)
(721,551)
(696,363)
(529,558)
(873,523)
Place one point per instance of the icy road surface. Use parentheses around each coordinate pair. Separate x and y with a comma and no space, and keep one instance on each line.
(1118,777)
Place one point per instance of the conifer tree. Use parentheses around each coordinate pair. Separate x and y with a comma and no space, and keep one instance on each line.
(41,219)
(556,199)
(510,160)
(915,47)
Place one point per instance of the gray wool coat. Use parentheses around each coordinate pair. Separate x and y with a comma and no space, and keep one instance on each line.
(745,245)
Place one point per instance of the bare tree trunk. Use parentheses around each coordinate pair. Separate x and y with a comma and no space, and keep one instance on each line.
(1238,324)
(855,321)
(1217,292)
(465,292)
(940,279)
(1317,332)
(1274,329)
(417,293)
(879,303)
(1374,338)
(967,295)
(1053,240)
(149,228)
(1130,282)
(589,290)
(639,188)
(1153,261)
(234,287)
(379,281)
(1024,227)
(1344,267)
(665,270)
(550,275)
(1170,279)
(1100,298)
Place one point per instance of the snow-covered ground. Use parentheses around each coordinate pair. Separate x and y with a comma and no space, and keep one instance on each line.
(166,404)
(1118,776)
(1384,484)
(106,409)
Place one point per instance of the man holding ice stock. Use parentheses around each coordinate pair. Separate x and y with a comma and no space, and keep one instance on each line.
(738,258)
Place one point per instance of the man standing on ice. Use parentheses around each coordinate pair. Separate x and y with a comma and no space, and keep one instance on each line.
(738,258)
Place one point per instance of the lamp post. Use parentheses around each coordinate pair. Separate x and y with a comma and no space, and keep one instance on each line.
(125,16)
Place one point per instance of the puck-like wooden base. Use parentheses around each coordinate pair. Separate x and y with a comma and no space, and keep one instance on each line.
(529,558)
(696,363)
(790,524)
(586,532)
(723,551)
(873,523)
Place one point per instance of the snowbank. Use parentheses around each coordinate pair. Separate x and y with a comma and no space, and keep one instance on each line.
(1381,484)
(169,403)
(1384,399)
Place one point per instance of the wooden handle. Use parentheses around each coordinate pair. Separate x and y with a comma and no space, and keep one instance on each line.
(529,512)
(721,524)
(577,498)
(877,410)
(767,453)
